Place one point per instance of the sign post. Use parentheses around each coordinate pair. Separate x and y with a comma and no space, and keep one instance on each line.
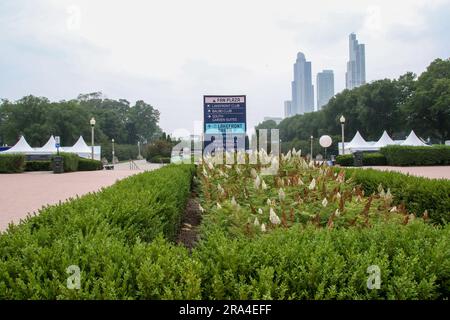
(57,144)
(224,119)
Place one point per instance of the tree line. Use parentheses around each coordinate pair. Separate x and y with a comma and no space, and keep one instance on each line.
(37,118)
(398,106)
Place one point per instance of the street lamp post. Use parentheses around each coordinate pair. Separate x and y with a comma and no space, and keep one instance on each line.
(112,151)
(312,147)
(92,135)
(342,121)
(139,150)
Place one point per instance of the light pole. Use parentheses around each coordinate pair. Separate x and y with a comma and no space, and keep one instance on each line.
(312,147)
(139,150)
(92,135)
(342,121)
(112,150)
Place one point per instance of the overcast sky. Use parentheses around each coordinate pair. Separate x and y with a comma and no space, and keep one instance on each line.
(171,53)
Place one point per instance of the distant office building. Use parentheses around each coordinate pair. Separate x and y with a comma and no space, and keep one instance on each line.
(302,88)
(356,66)
(324,87)
(276,119)
(287,109)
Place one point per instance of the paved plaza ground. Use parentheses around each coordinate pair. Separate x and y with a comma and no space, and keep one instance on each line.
(24,193)
(433,172)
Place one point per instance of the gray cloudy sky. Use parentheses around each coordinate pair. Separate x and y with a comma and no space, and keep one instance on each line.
(171,53)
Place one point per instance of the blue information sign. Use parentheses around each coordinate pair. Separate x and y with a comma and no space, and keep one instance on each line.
(224,115)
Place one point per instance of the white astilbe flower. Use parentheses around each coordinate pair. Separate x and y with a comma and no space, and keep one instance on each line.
(338,195)
(233,202)
(201,208)
(260,211)
(263,227)
(312,185)
(324,202)
(337,213)
(256,222)
(269,203)
(281,194)
(300,182)
(394,209)
(263,185)
(219,206)
(221,190)
(257,182)
(253,173)
(273,217)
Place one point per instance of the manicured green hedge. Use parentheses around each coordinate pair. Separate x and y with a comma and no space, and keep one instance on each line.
(310,263)
(71,161)
(369,159)
(345,160)
(374,159)
(38,166)
(89,165)
(417,193)
(417,156)
(107,235)
(12,163)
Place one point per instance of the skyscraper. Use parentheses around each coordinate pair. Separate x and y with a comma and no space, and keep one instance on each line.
(324,87)
(356,66)
(287,108)
(302,88)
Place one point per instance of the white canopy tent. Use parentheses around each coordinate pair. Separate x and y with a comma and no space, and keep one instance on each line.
(80,148)
(384,141)
(21,146)
(49,147)
(357,142)
(83,150)
(413,140)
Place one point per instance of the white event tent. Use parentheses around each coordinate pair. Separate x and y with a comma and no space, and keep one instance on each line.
(413,140)
(359,144)
(80,148)
(384,141)
(21,146)
(49,147)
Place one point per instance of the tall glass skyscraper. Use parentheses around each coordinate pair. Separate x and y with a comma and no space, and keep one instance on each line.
(287,108)
(302,88)
(356,66)
(324,87)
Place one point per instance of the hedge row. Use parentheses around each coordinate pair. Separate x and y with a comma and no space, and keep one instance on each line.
(12,163)
(70,161)
(417,193)
(310,263)
(38,165)
(416,156)
(106,235)
(89,165)
(369,159)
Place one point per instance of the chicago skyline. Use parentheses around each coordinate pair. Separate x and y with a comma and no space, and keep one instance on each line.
(356,66)
(324,87)
(302,88)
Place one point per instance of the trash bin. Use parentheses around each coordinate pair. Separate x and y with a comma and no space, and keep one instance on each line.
(358,159)
(58,164)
